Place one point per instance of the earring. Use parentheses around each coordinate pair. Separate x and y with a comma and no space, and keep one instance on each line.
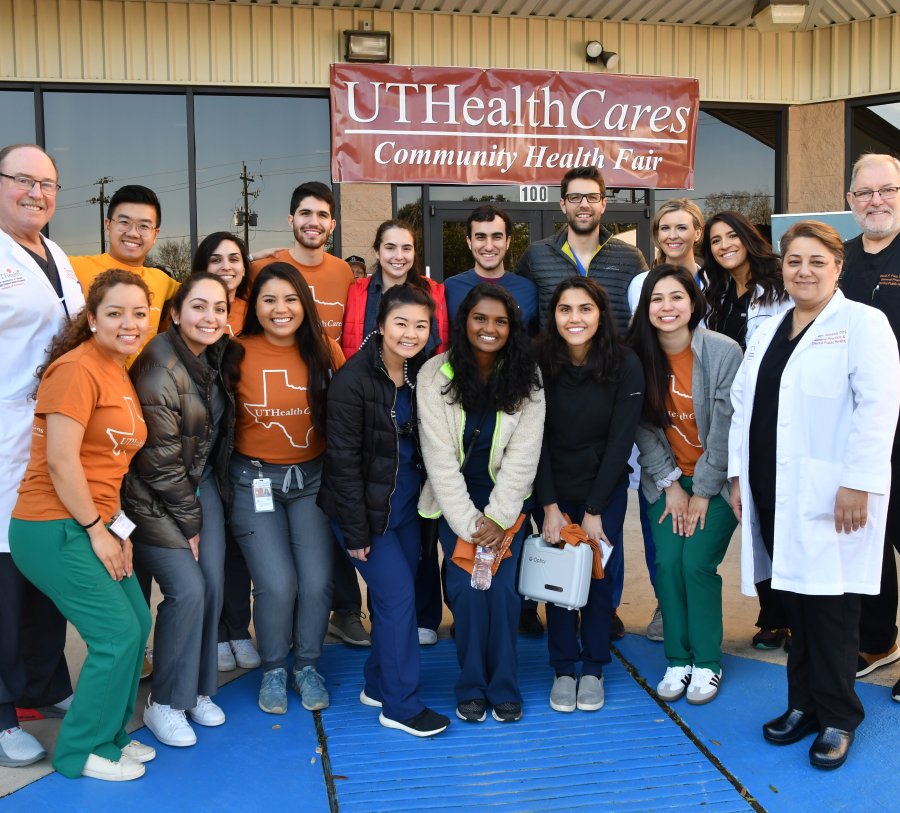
(175,323)
(93,328)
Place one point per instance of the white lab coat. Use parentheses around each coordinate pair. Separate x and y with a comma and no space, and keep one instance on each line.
(30,316)
(837,412)
(758,313)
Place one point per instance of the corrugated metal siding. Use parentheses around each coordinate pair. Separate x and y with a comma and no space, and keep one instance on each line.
(189,43)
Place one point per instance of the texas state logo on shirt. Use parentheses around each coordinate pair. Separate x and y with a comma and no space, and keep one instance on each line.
(125,441)
(273,412)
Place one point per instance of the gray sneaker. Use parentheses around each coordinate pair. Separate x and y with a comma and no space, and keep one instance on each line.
(310,685)
(655,627)
(562,695)
(273,691)
(590,693)
(348,627)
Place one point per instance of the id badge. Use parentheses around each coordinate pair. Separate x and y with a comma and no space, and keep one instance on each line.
(262,495)
(121,526)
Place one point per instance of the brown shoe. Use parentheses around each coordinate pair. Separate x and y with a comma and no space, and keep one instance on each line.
(870,661)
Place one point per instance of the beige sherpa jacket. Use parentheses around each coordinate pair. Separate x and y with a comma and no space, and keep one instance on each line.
(515,451)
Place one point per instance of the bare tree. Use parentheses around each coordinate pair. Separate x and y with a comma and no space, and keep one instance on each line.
(755,206)
(173,256)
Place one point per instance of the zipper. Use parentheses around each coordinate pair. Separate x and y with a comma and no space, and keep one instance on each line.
(387,523)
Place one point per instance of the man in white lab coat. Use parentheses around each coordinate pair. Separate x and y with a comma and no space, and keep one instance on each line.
(38,293)
(872,276)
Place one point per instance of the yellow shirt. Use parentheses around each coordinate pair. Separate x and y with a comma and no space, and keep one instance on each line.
(162,286)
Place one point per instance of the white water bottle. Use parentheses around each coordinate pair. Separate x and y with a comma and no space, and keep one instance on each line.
(482,570)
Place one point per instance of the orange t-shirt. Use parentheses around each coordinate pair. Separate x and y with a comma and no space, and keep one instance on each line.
(88,386)
(236,315)
(328,281)
(273,420)
(162,286)
(682,434)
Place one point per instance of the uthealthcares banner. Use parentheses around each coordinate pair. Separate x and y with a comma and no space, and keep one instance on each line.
(400,124)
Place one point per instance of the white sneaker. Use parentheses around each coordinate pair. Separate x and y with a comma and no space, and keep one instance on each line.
(704,686)
(245,654)
(18,748)
(169,726)
(206,712)
(674,682)
(139,752)
(427,637)
(225,661)
(109,771)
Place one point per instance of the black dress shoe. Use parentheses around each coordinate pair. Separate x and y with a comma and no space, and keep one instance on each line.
(792,726)
(830,748)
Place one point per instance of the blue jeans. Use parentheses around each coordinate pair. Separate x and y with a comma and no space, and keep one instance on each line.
(289,554)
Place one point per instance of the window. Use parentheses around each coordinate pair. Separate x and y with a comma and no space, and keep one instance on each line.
(129,138)
(283,141)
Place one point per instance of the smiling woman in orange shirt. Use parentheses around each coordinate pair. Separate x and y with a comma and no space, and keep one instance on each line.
(63,535)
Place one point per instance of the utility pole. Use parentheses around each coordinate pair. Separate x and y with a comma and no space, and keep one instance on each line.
(244,217)
(101,200)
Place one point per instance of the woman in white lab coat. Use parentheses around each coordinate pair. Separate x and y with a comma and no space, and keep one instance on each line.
(815,408)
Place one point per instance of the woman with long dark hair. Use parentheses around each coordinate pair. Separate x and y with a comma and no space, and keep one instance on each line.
(173,493)
(481,407)
(370,486)
(743,285)
(594,390)
(283,365)
(67,535)
(224,255)
(741,277)
(396,263)
(683,443)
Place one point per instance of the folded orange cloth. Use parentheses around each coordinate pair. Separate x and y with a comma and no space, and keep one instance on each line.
(574,535)
(464,552)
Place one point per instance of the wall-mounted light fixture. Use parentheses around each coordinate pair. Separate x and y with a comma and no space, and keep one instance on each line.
(779,15)
(593,53)
(367,46)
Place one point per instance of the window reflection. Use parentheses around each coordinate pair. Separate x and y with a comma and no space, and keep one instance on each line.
(17,121)
(132,138)
(283,141)
(734,165)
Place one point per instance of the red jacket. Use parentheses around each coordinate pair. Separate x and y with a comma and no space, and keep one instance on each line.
(355,315)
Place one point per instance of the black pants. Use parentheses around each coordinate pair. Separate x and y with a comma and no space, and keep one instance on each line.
(33,668)
(346,598)
(234,622)
(821,667)
(878,621)
(771,612)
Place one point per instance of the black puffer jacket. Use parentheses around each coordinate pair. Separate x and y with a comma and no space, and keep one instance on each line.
(159,493)
(614,267)
(362,445)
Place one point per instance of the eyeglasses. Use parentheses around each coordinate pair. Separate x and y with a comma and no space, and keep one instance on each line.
(27,183)
(407,430)
(886,192)
(591,197)
(125,224)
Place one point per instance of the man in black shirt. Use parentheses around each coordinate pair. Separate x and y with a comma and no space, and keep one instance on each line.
(871,275)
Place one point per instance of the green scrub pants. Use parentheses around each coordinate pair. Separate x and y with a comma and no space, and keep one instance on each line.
(112,618)
(687,584)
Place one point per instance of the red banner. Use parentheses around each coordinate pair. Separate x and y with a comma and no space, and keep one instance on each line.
(396,124)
